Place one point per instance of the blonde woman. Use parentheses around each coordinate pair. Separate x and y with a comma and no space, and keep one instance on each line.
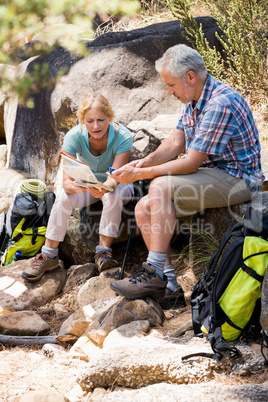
(100,142)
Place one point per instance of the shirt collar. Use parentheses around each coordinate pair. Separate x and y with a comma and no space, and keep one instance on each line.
(206,93)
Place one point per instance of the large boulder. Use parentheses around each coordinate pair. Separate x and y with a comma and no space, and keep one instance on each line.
(120,65)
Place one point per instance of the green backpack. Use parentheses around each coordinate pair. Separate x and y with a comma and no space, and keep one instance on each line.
(23,227)
(226,300)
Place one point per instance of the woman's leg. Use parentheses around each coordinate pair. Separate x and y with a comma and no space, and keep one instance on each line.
(56,230)
(110,223)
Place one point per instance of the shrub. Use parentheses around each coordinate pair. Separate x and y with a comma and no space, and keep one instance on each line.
(244,39)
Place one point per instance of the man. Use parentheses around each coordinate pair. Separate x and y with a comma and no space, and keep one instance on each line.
(222,165)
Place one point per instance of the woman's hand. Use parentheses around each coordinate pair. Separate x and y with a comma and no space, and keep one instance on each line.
(71,188)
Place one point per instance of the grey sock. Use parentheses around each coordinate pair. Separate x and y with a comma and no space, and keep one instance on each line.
(157,260)
(50,252)
(103,248)
(172,284)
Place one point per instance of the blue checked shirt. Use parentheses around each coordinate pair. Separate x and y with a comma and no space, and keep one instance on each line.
(222,126)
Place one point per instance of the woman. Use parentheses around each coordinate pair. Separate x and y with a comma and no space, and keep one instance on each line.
(101,143)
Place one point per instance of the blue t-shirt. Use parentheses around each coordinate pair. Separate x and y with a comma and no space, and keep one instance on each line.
(76,144)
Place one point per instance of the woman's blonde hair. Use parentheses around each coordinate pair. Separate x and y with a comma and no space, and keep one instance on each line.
(95,101)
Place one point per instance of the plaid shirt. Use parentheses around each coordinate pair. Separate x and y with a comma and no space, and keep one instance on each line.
(222,126)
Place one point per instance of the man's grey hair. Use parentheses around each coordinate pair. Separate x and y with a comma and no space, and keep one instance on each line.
(180,59)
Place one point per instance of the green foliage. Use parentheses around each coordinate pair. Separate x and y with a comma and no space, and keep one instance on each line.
(50,23)
(243,63)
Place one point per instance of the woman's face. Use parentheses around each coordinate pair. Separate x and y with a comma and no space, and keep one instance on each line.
(97,123)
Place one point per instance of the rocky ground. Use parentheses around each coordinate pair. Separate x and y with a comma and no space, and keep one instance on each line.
(50,370)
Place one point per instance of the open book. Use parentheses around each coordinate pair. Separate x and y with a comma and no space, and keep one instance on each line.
(81,172)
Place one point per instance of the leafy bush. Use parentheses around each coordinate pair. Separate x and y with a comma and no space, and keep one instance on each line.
(243,60)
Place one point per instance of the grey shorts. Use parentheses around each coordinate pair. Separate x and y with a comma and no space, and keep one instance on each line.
(207,188)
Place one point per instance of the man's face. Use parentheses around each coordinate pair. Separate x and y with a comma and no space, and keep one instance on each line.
(182,90)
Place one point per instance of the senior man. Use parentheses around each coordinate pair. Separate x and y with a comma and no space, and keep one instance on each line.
(222,165)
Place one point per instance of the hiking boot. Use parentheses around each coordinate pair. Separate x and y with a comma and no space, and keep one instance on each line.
(144,282)
(172,299)
(104,260)
(39,266)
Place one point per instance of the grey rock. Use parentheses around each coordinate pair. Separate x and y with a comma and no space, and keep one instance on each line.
(23,323)
(77,275)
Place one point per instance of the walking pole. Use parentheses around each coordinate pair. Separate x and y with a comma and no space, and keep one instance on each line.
(140,194)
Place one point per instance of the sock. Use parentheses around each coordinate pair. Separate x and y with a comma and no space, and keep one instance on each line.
(157,260)
(103,248)
(50,252)
(172,284)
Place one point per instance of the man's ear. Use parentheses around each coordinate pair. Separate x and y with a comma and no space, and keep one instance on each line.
(191,78)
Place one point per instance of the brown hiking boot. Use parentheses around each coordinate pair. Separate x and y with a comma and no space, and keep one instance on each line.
(104,260)
(39,266)
(144,282)
(172,299)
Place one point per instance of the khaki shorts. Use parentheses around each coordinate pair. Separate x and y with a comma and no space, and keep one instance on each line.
(207,188)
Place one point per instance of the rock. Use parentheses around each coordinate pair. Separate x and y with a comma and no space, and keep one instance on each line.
(17,294)
(23,323)
(83,349)
(77,275)
(150,360)
(43,396)
(163,392)
(123,312)
(78,322)
(120,336)
(97,288)
(50,350)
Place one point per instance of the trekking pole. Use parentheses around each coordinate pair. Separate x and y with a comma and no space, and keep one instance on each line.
(139,195)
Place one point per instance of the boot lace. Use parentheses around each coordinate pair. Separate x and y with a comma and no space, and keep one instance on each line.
(141,275)
(39,259)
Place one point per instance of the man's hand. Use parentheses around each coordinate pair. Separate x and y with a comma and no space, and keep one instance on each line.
(127,174)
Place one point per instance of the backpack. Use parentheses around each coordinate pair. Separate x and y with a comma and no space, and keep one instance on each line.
(23,227)
(225,302)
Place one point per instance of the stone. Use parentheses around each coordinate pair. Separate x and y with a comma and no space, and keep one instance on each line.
(83,349)
(77,275)
(151,360)
(23,323)
(123,312)
(43,396)
(163,392)
(78,322)
(121,335)
(94,289)
(17,294)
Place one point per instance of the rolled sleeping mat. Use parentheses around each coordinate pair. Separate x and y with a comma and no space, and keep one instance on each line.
(33,186)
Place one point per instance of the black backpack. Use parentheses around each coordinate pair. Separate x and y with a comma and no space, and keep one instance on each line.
(226,300)
(23,227)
